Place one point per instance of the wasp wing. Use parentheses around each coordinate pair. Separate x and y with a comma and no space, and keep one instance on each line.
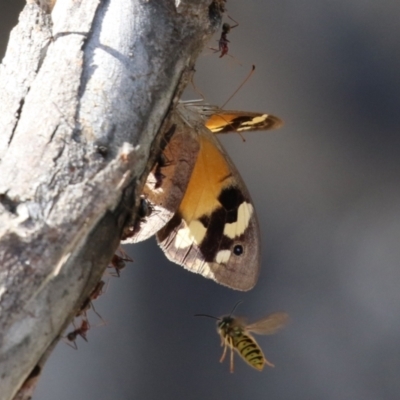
(268,325)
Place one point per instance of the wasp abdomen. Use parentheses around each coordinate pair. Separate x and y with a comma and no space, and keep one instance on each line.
(250,351)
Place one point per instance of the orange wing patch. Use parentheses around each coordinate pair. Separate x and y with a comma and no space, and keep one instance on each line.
(211,174)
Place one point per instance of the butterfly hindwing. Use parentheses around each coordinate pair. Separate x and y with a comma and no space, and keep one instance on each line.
(215,231)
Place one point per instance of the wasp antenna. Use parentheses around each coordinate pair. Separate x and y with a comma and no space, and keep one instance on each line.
(206,315)
(240,86)
(235,306)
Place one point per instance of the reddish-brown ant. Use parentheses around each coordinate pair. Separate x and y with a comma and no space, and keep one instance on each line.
(223,40)
(118,261)
(81,331)
(85,326)
(87,304)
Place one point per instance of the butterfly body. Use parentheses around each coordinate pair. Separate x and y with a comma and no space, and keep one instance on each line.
(167,182)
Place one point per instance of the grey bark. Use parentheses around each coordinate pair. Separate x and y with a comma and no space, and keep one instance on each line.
(83,93)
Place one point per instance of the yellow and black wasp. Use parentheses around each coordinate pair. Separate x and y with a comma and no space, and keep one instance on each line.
(235,333)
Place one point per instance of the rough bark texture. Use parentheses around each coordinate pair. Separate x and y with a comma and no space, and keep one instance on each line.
(83,93)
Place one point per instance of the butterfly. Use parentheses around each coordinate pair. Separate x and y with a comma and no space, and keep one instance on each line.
(201,211)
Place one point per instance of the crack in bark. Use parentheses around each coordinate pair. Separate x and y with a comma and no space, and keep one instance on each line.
(9,204)
(17,115)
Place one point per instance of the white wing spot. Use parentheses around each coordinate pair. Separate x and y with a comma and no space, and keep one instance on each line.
(258,120)
(223,256)
(246,126)
(235,229)
(189,235)
(202,268)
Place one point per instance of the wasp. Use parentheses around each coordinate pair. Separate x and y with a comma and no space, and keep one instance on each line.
(235,333)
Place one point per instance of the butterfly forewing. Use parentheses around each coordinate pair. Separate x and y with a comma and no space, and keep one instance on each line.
(236,121)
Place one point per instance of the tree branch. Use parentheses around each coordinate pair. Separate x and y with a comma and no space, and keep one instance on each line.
(83,93)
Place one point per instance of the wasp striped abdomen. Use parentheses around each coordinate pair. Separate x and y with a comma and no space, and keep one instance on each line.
(250,351)
(235,334)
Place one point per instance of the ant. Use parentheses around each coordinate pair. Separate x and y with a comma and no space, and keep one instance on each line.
(118,261)
(223,40)
(81,331)
(87,304)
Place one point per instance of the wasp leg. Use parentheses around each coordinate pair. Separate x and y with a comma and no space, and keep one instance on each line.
(224,352)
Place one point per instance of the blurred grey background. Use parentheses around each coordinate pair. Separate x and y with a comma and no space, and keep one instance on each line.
(327,191)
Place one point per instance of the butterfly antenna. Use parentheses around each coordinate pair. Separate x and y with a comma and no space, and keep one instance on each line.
(240,86)
(195,88)
(235,306)
(206,315)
